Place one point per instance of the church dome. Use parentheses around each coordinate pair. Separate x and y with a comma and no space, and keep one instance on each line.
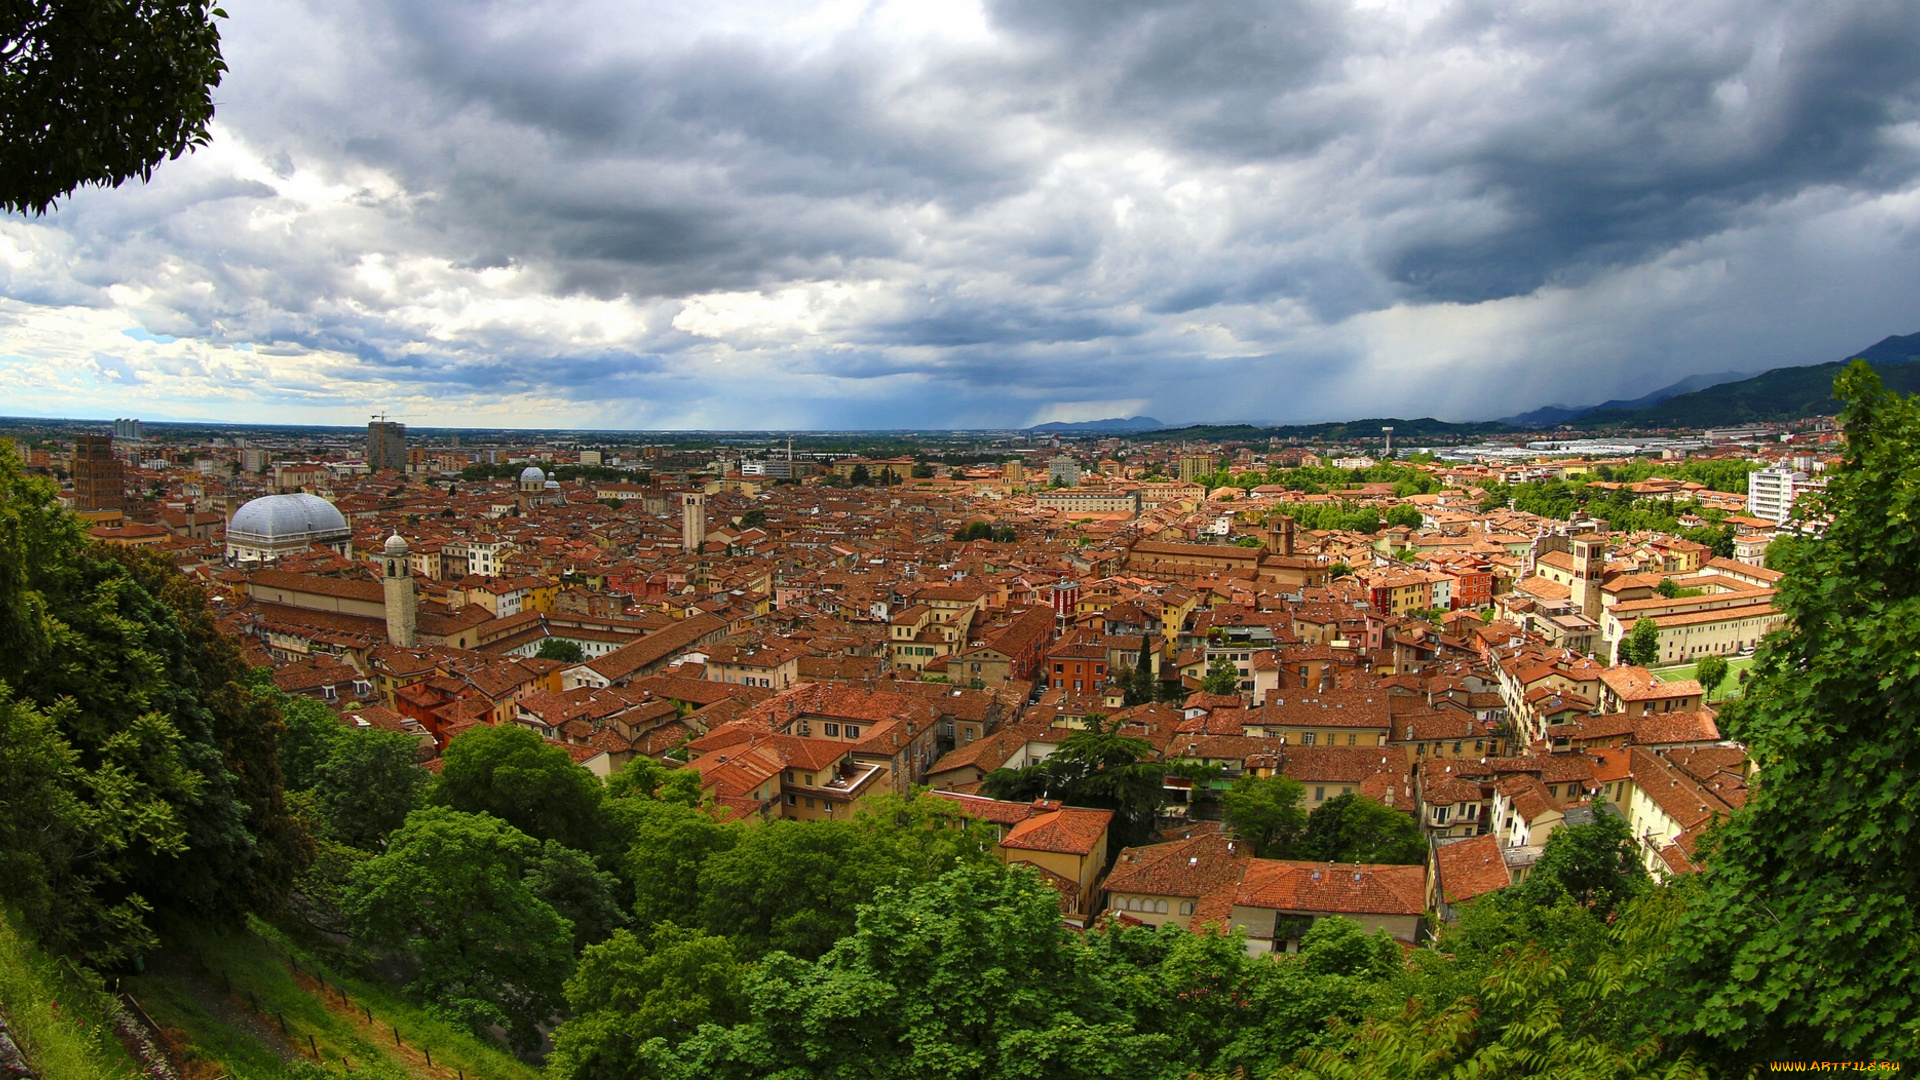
(396,545)
(553,485)
(532,475)
(276,518)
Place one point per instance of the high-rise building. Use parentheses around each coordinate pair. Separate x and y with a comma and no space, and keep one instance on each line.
(386,446)
(98,482)
(128,430)
(1771,492)
(693,520)
(255,459)
(1014,472)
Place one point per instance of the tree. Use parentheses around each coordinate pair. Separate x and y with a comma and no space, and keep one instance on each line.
(580,892)
(1222,677)
(1667,588)
(1711,672)
(792,885)
(631,989)
(450,897)
(1805,939)
(1265,812)
(57,821)
(1354,828)
(1597,864)
(922,471)
(928,835)
(860,477)
(369,783)
(1339,570)
(1094,767)
(528,783)
(98,92)
(1641,646)
(668,843)
(553,648)
(1139,686)
(119,650)
(971,975)
(309,732)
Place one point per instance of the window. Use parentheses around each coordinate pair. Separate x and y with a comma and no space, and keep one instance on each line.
(809,779)
(1440,814)
(1186,907)
(1307,739)
(1456,748)
(790,800)
(810,805)
(831,729)
(1420,750)
(852,732)
(1319,794)
(1059,669)
(1159,907)
(1353,739)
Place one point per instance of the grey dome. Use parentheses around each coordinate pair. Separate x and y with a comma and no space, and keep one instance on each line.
(554,484)
(284,517)
(396,545)
(532,475)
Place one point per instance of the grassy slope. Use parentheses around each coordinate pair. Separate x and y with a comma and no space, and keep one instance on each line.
(58,1017)
(219,1031)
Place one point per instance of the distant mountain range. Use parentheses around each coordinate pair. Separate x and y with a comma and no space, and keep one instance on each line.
(1787,393)
(1701,401)
(1549,415)
(1132,423)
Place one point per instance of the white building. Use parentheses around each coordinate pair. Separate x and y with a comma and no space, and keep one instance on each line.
(1771,492)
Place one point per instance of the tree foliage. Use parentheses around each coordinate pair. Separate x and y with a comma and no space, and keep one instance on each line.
(1805,942)
(368,784)
(1711,671)
(523,780)
(1265,812)
(632,990)
(567,652)
(1354,828)
(1641,646)
(101,91)
(451,897)
(1222,677)
(161,745)
(1094,767)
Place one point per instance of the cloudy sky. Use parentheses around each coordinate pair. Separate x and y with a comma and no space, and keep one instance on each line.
(730,213)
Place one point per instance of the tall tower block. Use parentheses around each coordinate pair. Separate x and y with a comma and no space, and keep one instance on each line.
(402,604)
(693,521)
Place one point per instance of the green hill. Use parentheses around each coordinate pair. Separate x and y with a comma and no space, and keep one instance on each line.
(1789,393)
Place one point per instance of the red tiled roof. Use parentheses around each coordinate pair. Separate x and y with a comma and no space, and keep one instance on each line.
(1470,868)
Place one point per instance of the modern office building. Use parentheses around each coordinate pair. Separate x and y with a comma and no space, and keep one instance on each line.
(386,446)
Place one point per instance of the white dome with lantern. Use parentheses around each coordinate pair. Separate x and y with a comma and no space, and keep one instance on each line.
(274,526)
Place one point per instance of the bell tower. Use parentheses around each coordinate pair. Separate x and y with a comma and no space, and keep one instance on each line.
(402,604)
(693,521)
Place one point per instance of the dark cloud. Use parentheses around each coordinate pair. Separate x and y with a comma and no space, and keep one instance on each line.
(1326,208)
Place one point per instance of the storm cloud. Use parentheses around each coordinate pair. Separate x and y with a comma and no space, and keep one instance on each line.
(743,214)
